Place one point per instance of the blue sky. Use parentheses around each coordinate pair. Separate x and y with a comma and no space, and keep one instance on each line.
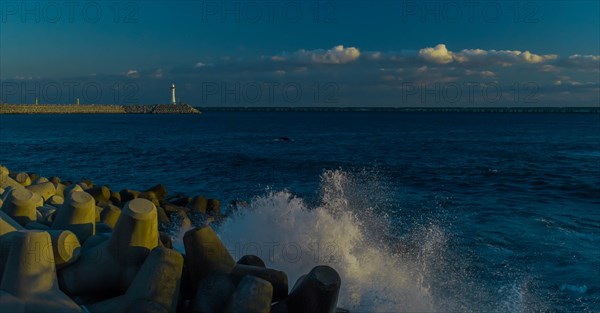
(302,53)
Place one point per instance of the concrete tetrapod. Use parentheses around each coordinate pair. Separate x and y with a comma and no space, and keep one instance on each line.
(181,220)
(10,303)
(65,246)
(8,227)
(87,182)
(115,198)
(159,190)
(33,176)
(45,190)
(252,295)
(40,180)
(30,275)
(251,259)
(7,224)
(198,204)
(278,279)
(128,195)
(46,214)
(157,282)
(56,201)
(180,200)
(6,181)
(60,189)
(109,267)
(101,194)
(98,212)
(165,240)
(70,189)
(110,215)
(23,179)
(213,293)
(315,292)
(20,204)
(204,254)
(36,225)
(213,206)
(77,214)
(149,195)
(84,185)
(6,192)
(163,218)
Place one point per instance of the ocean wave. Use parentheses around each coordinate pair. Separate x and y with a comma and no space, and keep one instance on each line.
(293,237)
(349,229)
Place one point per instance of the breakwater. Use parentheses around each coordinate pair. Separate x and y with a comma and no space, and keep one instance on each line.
(97,109)
(75,246)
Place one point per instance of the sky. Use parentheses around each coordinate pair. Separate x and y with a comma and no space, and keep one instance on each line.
(302,53)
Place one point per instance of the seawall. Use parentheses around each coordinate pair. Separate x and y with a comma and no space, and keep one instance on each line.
(97,109)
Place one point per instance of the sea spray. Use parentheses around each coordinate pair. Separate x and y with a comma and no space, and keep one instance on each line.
(293,237)
(386,264)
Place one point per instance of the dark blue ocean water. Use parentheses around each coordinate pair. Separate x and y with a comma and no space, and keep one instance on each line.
(493,212)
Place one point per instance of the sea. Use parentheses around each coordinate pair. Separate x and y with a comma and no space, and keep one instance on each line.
(417,211)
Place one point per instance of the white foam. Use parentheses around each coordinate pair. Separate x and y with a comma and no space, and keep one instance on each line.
(338,233)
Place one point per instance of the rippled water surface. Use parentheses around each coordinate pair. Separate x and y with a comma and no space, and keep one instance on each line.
(428,211)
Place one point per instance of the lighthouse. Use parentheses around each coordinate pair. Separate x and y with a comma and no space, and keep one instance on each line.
(173,101)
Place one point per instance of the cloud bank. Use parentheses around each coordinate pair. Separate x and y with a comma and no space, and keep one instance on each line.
(361,77)
(438,55)
(441,55)
(336,55)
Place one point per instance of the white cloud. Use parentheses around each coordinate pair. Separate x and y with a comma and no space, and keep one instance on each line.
(585,57)
(132,74)
(422,69)
(469,54)
(590,62)
(502,57)
(199,65)
(336,55)
(566,80)
(535,58)
(506,58)
(439,54)
(373,56)
(550,68)
(158,73)
(487,74)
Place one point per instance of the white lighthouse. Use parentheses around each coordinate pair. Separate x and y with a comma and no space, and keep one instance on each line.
(173,101)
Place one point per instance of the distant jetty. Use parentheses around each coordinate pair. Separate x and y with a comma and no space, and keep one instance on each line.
(97,109)
(173,108)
